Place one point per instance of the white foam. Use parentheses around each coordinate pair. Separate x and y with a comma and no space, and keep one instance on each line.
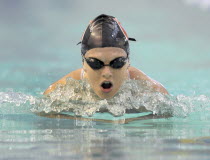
(77,96)
(15,102)
(16,98)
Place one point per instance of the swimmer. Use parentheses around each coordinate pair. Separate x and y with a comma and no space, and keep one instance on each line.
(105,57)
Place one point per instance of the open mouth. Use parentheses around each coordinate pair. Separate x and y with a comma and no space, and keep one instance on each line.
(106,86)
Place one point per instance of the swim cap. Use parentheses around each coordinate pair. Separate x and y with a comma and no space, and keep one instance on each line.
(104,31)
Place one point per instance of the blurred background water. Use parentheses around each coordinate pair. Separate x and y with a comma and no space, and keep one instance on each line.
(38,46)
(38,41)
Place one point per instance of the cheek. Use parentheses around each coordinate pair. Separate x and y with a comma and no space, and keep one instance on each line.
(123,74)
(90,73)
(93,76)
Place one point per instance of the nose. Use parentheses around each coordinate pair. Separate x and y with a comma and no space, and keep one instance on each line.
(106,72)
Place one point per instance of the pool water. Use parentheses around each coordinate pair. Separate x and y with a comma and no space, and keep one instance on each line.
(38,46)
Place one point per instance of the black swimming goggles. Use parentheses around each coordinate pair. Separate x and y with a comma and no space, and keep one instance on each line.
(96,64)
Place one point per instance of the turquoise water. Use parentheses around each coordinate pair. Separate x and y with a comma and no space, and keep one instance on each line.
(38,46)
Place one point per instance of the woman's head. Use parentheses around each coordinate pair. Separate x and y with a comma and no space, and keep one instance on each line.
(105,70)
(105,52)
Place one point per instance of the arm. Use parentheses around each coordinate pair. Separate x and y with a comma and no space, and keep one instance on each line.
(75,75)
(136,74)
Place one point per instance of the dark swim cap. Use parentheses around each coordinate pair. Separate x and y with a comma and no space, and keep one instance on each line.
(105,31)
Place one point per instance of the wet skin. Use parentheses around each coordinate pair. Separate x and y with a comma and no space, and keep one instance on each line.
(107,74)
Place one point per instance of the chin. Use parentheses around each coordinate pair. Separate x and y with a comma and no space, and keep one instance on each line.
(106,95)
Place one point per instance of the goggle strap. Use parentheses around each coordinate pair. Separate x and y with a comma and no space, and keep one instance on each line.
(79,42)
(132,39)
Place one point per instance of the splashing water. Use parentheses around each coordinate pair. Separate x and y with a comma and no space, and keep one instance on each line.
(78,97)
(17,98)
(13,102)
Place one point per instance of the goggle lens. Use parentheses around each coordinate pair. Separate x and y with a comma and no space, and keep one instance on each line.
(96,64)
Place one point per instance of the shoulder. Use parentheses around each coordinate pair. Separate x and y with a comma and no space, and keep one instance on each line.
(137,74)
(74,74)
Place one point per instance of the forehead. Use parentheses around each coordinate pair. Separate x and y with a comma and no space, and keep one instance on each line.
(111,52)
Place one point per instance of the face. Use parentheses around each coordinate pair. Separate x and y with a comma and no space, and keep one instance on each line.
(107,80)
